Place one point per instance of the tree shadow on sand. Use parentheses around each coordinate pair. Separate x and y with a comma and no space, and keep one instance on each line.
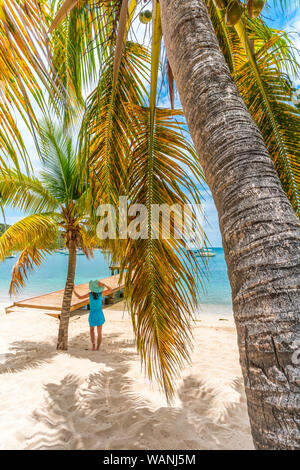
(22,355)
(104,411)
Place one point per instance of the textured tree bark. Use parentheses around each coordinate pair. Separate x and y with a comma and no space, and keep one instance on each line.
(62,342)
(260,231)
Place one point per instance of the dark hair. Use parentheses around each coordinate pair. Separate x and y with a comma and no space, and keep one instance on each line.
(95,295)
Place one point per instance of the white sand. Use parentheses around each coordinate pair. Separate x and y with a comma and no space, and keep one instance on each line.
(100,400)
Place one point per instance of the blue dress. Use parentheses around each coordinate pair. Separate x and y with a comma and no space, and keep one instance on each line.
(96,316)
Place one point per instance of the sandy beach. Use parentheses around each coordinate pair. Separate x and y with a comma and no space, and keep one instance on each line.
(82,399)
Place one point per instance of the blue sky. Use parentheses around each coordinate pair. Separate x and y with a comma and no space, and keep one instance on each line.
(276,18)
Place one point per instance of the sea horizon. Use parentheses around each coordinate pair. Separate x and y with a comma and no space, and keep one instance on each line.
(51,276)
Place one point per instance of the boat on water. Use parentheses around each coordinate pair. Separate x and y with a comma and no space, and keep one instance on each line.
(64,251)
(206,253)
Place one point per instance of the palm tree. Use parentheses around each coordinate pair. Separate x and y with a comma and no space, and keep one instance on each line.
(260,230)
(57,202)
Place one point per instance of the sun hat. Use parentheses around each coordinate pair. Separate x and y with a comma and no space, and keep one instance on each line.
(94,287)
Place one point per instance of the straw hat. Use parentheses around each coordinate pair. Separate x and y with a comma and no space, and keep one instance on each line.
(94,287)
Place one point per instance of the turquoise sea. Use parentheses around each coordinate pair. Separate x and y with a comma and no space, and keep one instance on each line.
(51,276)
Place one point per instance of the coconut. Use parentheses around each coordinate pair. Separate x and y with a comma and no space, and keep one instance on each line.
(234,12)
(145,16)
(255,7)
(220,4)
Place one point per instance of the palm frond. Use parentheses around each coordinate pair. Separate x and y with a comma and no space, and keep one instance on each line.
(267,93)
(155,56)
(60,174)
(30,258)
(23,59)
(79,46)
(161,277)
(120,40)
(31,230)
(89,240)
(260,59)
(25,193)
(228,39)
(108,130)
(63,11)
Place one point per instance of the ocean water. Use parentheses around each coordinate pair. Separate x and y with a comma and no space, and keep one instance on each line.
(52,274)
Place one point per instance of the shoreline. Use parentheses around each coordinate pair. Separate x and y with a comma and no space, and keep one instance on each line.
(202,308)
(80,399)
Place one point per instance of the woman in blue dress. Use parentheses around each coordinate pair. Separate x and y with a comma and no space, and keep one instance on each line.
(96,316)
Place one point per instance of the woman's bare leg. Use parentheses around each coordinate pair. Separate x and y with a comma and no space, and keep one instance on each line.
(92,334)
(99,339)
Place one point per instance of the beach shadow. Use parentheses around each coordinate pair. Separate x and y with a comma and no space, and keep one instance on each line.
(22,355)
(105,411)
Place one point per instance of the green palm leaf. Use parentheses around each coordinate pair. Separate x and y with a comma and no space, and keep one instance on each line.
(259,59)
(79,45)
(106,124)
(24,55)
(161,277)
(25,193)
(29,259)
(267,94)
(36,228)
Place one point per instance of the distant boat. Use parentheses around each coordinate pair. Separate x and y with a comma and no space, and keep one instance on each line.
(205,253)
(62,251)
(65,251)
(12,255)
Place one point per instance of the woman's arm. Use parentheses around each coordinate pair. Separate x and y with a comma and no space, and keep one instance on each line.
(85,296)
(100,284)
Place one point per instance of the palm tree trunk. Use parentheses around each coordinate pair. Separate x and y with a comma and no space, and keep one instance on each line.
(62,342)
(260,231)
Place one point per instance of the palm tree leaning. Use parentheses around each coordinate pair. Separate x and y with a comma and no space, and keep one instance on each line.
(57,202)
(260,230)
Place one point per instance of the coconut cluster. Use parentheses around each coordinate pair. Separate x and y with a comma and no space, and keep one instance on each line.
(234,9)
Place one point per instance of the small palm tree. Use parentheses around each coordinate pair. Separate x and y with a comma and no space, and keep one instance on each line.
(57,203)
